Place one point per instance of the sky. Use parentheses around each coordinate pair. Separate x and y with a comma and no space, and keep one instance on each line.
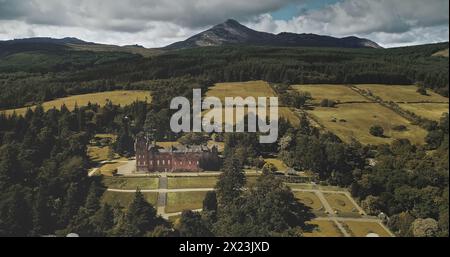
(156,23)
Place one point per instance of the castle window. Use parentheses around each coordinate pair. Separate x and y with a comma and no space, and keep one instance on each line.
(168,162)
(157,162)
(151,162)
(189,162)
(164,162)
(197,162)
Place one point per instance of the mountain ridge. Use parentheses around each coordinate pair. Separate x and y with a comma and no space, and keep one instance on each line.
(232,32)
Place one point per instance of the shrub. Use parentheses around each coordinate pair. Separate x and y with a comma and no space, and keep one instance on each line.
(376,131)
(327,103)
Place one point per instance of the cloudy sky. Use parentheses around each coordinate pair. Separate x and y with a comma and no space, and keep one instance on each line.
(155,23)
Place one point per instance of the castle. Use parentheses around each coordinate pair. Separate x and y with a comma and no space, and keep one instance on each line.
(152,158)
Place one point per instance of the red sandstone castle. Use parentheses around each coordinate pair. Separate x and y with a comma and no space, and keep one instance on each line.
(152,158)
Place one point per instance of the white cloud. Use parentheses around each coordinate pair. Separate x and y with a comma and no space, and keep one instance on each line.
(155,23)
(388,22)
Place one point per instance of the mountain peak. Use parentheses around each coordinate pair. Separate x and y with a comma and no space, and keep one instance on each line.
(231,32)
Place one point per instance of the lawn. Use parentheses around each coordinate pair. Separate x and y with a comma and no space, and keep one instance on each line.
(279,164)
(402,93)
(124,199)
(192,182)
(354,120)
(108,169)
(361,228)
(311,200)
(179,201)
(338,93)
(432,111)
(97,153)
(122,97)
(341,204)
(322,228)
(131,182)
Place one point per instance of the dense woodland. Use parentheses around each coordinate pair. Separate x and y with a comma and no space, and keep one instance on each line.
(81,72)
(43,160)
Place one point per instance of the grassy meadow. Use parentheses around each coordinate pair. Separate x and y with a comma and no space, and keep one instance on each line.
(119,97)
(338,93)
(354,120)
(402,93)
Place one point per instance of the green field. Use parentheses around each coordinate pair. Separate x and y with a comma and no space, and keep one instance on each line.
(341,204)
(131,182)
(122,97)
(179,201)
(402,93)
(361,228)
(241,89)
(311,200)
(124,199)
(431,111)
(244,89)
(192,182)
(354,120)
(279,164)
(338,93)
(322,228)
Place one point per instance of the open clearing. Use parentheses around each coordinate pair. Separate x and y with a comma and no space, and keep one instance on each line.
(192,182)
(322,228)
(432,111)
(354,120)
(131,183)
(361,228)
(338,93)
(341,204)
(179,201)
(311,200)
(124,198)
(119,97)
(402,93)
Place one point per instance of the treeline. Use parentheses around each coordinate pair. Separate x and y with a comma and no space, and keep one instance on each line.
(231,63)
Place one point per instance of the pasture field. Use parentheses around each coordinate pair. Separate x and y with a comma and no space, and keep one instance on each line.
(124,199)
(131,182)
(354,120)
(241,89)
(122,97)
(432,111)
(402,93)
(311,200)
(251,88)
(342,204)
(284,112)
(362,228)
(338,93)
(192,182)
(322,228)
(179,201)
